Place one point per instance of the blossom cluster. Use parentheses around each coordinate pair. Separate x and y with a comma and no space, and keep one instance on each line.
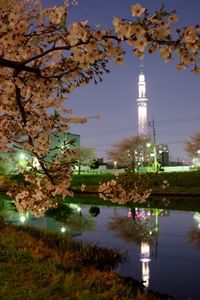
(151,33)
(118,191)
(37,194)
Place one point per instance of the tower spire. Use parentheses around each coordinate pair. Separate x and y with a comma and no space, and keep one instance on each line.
(142,104)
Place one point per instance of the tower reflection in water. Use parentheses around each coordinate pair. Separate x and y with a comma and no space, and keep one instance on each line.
(149,225)
(145,259)
(194,232)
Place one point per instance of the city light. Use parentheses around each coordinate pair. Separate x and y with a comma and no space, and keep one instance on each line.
(36,163)
(22,156)
(22,218)
(63,229)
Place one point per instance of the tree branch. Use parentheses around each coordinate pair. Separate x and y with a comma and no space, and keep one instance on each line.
(18,66)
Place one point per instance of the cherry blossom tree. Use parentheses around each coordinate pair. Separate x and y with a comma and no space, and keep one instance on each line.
(43,59)
(130,152)
(83,156)
(193,146)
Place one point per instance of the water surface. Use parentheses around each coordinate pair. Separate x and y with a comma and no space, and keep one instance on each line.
(163,246)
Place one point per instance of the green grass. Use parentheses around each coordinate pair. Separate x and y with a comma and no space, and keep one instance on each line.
(37,265)
(183,179)
(175,179)
(180,184)
(183,192)
(90,179)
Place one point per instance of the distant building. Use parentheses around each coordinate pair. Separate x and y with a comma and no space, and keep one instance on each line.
(100,161)
(162,154)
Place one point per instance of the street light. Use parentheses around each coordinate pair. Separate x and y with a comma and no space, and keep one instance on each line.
(148,145)
(63,229)
(22,156)
(22,218)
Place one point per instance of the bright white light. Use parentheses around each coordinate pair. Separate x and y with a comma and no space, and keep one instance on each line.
(22,219)
(145,248)
(63,229)
(142,120)
(142,110)
(145,259)
(22,156)
(148,145)
(141,78)
(197,217)
(36,163)
(75,207)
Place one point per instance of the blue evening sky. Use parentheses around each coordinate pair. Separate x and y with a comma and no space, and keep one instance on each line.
(174,96)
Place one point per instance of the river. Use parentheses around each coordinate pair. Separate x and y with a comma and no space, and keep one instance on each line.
(163,246)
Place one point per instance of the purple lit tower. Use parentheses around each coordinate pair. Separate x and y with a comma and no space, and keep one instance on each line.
(142,105)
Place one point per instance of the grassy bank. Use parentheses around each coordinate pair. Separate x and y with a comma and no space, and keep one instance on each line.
(175,179)
(37,265)
(183,192)
(180,183)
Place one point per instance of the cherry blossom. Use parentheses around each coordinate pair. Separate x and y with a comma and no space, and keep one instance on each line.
(137,10)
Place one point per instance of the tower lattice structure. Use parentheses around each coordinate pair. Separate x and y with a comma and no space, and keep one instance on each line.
(142,105)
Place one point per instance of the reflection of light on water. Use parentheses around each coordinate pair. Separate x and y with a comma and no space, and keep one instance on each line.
(141,213)
(129,213)
(145,273)
(145,252)
(145,259)
(75,207)
(144,216)
(197,218)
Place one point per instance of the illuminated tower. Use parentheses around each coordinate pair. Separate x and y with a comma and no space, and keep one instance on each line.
(142,105)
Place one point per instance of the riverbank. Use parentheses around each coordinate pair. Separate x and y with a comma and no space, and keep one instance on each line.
(179,184)
(40,265)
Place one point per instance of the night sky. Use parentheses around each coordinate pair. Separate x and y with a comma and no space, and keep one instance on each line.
(174,96)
